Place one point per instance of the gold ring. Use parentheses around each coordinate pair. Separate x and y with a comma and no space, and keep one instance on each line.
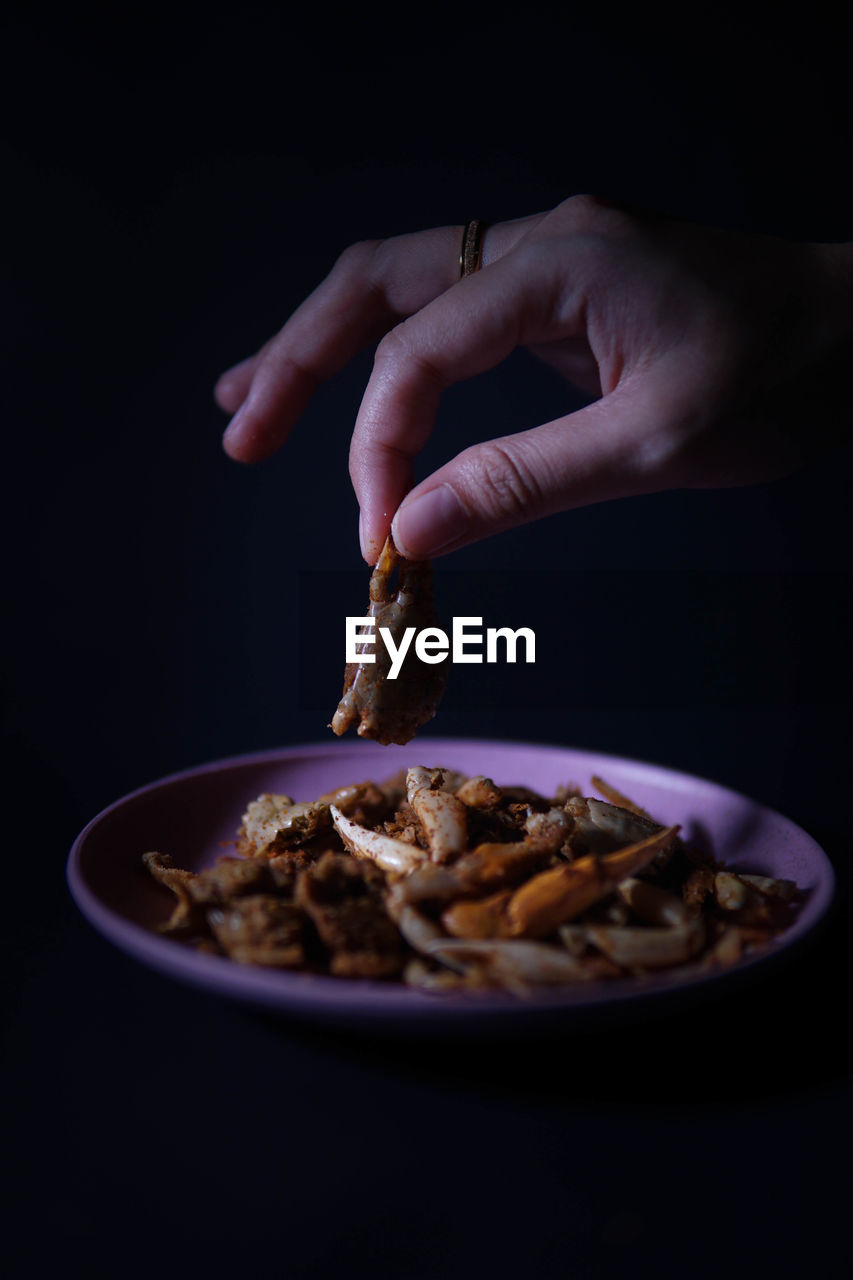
(471,254)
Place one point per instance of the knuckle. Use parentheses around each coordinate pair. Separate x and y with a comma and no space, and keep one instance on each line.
(385,257)
(500,481)
(400,355)
(356,260)
(392,349)
(594,213)
(585,203)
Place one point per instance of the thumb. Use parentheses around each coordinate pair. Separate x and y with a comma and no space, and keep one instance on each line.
(607,450)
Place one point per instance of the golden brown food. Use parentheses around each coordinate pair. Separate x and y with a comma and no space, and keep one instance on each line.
(446,882)
(379,707)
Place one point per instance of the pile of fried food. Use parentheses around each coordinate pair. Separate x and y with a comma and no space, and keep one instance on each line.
(445,881)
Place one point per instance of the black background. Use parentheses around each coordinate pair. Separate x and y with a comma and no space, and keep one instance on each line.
(176,182)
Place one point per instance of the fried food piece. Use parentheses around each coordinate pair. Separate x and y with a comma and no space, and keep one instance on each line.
(285,867)
(393,710)
(616,797)
(653,904)
(186,919)
(480,793)
(442,816)
(344,898)
(772,887)
(520,965)
(635,947)
(231,878)
(600,827)
(433,977)
(486,869)
(415,926)
(404,824)
(554,897)
(386,851)
(746,903)
(260,929)
(480,918)
(364,802)
(273,822)
(166,873)
(732,942)
(697,887)
(552,827)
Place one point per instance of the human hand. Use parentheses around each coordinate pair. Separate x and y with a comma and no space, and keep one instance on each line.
(716,359)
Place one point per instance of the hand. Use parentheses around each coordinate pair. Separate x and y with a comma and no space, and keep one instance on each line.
(716,358)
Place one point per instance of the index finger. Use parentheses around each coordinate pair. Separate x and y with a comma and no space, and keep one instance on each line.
(515,301)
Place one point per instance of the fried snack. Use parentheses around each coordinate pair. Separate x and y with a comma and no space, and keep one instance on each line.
(380,708)
(446,882)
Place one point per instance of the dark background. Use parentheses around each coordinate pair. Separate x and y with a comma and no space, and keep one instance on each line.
(176,182)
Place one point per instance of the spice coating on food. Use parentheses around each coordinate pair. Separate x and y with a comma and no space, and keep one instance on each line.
(380,708)
(449,883)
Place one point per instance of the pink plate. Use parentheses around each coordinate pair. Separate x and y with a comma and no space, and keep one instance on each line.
(193,816)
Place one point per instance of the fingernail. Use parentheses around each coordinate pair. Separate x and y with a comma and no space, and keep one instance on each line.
(361,542)
(427,524)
